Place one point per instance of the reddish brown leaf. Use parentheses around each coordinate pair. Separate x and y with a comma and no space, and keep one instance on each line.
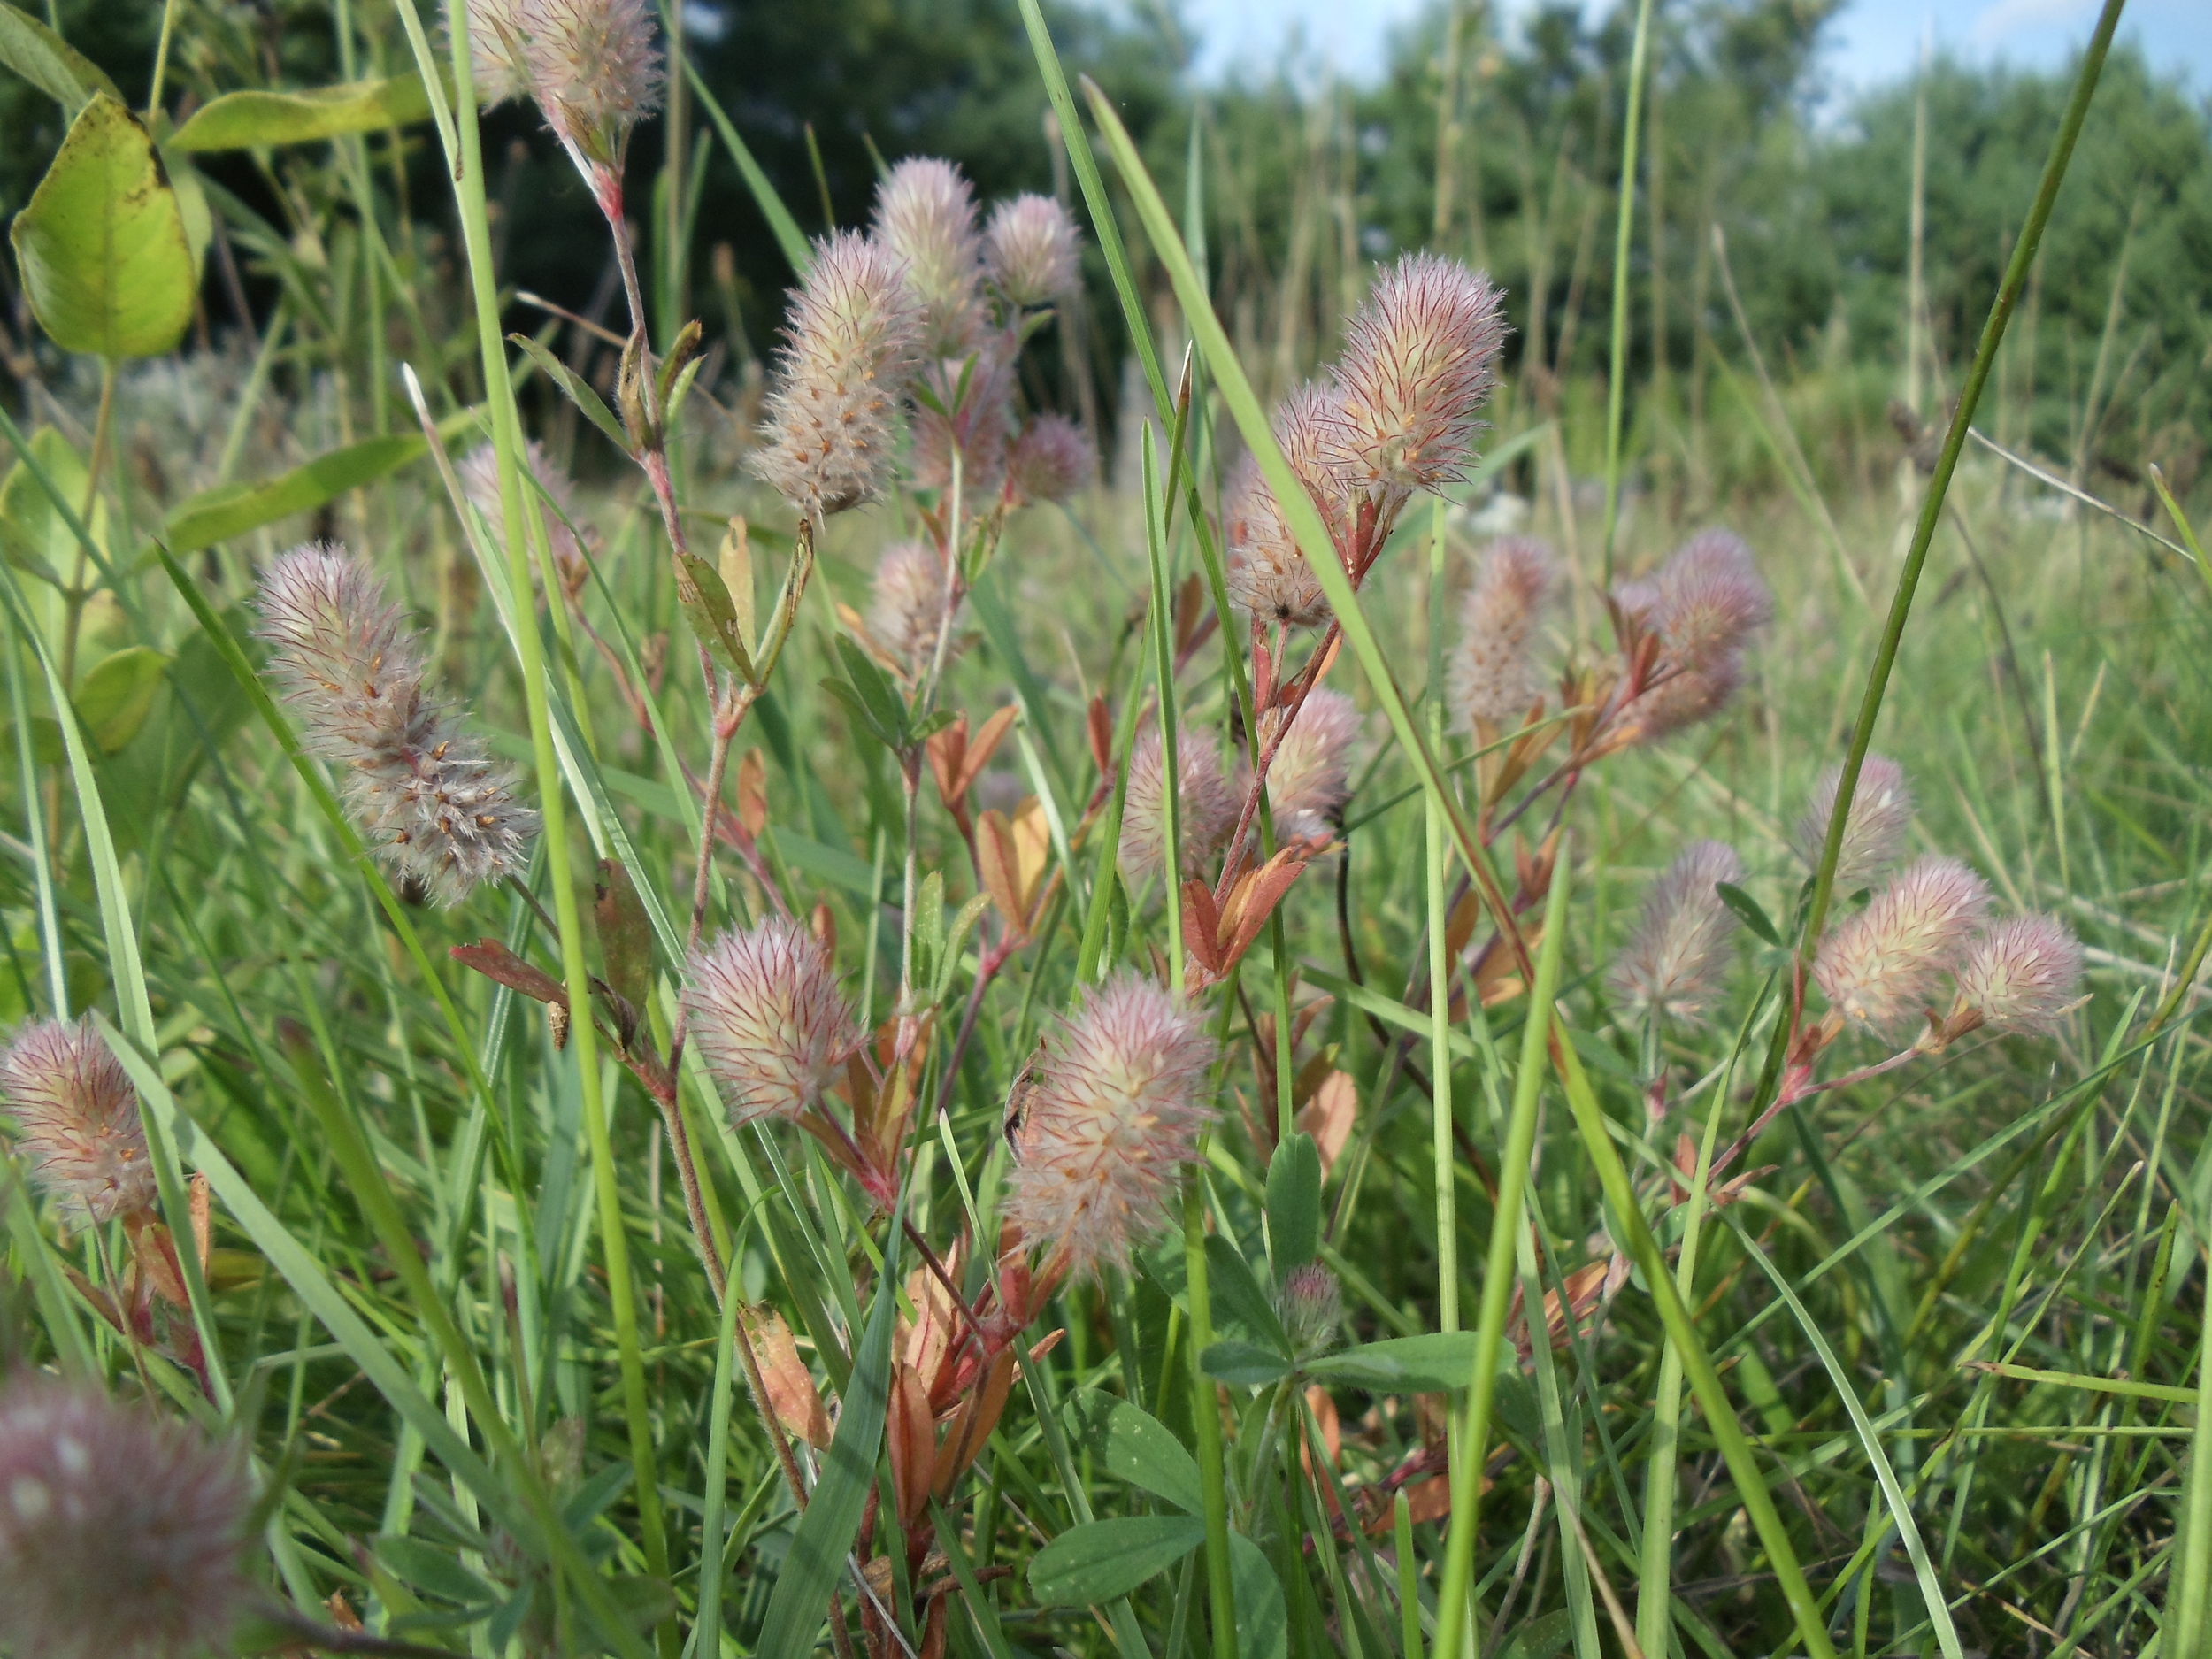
(947,749)
(752,793)
(1100,727)
(985,746)
(792,1396)
(979,1414)
(912,1438)
(495,961)
(1328,1116)
(998,863)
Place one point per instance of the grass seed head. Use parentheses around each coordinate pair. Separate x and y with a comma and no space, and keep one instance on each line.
(1115,1108)
(1311,772)
(1495,678)
(120,1534)
(77,1113)
(1676,959)
(1206,808)
(2020,975)
(1420,360)
(1031,250)
(849,345)
(768,1018)
(1873,836)
(1877,968)
(428,798)
(925,216)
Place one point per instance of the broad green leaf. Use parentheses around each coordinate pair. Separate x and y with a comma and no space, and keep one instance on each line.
(1545,1637)
(1136,1446)
(116,695)
(1405,1364)
(832,1521)
(50,63)
(1245,1364)
(1237,1296)
(231,510)
(1095,1563)
(102,245)
(33,536)
(1263,1621)
(1293,1203)
(254,120)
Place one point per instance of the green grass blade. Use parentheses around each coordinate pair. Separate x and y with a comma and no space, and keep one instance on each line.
(786,229)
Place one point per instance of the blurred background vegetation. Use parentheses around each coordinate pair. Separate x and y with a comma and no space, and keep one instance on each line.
(1308,181)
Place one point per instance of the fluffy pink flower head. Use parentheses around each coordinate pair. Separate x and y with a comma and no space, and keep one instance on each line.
(907,606)
(1420,359)
(1268,575)
(1873,836)
(1113,1110)
(1494,679)
(1206,809)
(1050,461)
(480,482)
(499,42)
(1878,967)
(121,1534)
(1705,603)
(925,216)
(1310,1304)
(77,1113)
(595,70)
(1307,781)
(769,1019)
(972,416)
(1030,249)
(1674,961)
(2020,976)
(429,800)
(848,348)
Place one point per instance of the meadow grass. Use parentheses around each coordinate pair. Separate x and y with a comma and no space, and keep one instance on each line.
(452,1294)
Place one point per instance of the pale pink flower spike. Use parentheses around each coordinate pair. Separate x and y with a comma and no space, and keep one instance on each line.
(1877,968)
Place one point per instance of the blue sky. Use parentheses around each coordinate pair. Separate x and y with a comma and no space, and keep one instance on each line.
(1872,41)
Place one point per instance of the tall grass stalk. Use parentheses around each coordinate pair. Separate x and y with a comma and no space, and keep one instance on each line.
(1623,238)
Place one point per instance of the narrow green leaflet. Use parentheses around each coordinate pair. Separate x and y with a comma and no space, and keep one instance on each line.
(102,246)
(832,1521)
(789,237)
(1417,1364)
(50,63)
(230,510)
(243,120)
(1263,1621)
(1293,1203)
(580,391)
(1095,1563)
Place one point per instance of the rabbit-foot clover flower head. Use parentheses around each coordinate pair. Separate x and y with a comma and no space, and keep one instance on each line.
(121,1535)
(1310,1304)
(77,1113)
(1112,1111)
(500,32)
(1495,679)
(1704,603)
(2020,976)
(969,413)
(1051,460)
(1311,772)
(480,481)
(1268,575)
(925,216)
(1873,835)
(1877,968)
(1674,961)
(848,348)
(1420,359)
(1030,250)
(906,609)
(1206,807)
(428,798)
(770,1020)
